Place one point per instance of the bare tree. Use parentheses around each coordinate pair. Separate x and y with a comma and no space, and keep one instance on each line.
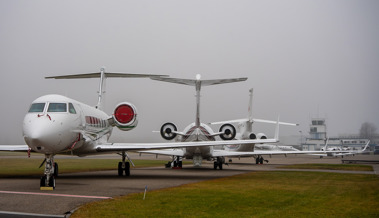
(368,131)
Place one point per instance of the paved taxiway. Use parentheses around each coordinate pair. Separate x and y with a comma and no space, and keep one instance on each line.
(22,194)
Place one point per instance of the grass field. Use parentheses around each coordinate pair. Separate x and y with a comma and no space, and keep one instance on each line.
(354,167)
(257,194)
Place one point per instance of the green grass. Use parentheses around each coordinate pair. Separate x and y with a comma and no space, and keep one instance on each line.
(353,167)
(257,194)
(29,166)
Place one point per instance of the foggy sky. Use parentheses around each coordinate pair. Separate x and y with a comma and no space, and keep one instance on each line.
(303,58)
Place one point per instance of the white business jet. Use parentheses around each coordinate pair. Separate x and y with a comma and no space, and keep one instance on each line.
(57,124)
(198,131)
(245,132)
(258,150)
(338,152)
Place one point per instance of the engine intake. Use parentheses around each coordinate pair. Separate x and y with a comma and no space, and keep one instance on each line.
(257,136)
(125,116)
(228,132)
(261,136)
(168,131)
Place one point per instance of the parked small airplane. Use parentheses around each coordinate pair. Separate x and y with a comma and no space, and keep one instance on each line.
(245,131)
(338,152)
(57,124)
(268,147)
(198,131)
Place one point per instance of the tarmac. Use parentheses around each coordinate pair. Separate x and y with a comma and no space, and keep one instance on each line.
(21,196)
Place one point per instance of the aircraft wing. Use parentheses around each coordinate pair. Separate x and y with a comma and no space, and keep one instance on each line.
(253,120)
(150,146)
(224,153)
(14,148)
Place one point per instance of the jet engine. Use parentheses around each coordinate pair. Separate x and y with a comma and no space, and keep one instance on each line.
(257,136)
(228,132)
(125,116)
(168,131)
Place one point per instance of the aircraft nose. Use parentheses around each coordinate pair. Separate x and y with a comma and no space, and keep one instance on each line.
(39,133)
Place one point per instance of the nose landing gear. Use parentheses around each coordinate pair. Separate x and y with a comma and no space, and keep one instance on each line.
(51,171)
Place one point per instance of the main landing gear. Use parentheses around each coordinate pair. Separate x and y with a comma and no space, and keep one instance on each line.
(123,166)
(177,163)
(218,163)
(260,159)
(51,171)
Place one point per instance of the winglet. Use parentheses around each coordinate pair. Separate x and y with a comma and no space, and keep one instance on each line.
(366,146)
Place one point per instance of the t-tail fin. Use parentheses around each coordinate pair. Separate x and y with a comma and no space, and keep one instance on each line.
(198,82)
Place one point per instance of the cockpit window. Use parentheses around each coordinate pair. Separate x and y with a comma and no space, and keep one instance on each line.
(57,107)
(37,108)
(71,109)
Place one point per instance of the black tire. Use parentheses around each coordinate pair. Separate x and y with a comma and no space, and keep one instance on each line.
(168,165)
(120,170)
(220,165)
(43,181)
(261,160)
(52,182)
(180,164)
(215,165)
(127,169)
(257,160)
(56,170)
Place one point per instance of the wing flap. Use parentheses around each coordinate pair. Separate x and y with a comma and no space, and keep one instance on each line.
(168,152)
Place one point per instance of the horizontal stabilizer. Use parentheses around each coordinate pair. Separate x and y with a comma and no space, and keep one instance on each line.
(192,82)
(98,75)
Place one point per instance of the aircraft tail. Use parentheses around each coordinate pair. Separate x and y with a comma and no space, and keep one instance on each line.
(198,83)
(250,106)
(366,146)
(103,76)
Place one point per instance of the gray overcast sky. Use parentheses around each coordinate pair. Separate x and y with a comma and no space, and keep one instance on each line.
(303,59)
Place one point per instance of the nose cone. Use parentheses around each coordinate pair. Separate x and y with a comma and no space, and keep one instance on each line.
(44,134)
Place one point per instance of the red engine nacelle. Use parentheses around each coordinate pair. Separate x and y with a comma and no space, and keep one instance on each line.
(125,116)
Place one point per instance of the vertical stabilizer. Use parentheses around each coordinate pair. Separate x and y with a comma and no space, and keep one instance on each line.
(250,106)
(101,89)
(277,130)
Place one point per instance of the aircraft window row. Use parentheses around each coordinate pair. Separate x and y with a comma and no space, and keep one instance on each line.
(37,108)
(57,107)
(71,108)
(93,121)
(53,107)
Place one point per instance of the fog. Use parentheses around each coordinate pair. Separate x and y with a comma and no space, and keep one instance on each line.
(304,59)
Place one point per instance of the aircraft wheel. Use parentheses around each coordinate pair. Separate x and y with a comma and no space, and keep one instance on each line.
(43,181)
(52,182)
(55,169)
(180,164)
(215,165)
(127,169)
(220,165)
(120,171)
(168,165)
(261,160)
(257,160)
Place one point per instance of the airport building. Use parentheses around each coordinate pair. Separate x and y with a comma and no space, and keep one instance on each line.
(318,136)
